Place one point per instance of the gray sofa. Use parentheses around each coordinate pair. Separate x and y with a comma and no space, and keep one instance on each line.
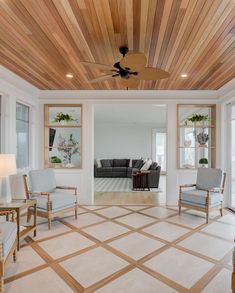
(121,168)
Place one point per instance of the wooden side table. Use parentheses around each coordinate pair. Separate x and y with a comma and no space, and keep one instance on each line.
(140,180)
(19,205)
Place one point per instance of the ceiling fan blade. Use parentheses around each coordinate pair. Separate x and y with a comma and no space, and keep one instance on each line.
(102,78)
(131,82)
(97,65)
(150,73)
(135,61)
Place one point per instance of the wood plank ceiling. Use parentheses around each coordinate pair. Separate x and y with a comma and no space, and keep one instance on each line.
(43,40)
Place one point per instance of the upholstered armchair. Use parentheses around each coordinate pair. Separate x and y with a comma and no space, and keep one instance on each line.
(52,200)
(8,243)
(206,194)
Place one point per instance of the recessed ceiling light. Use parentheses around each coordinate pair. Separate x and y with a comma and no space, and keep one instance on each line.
(69,75)
(184,75)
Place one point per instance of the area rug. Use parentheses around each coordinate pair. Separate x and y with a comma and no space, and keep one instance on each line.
(115,185)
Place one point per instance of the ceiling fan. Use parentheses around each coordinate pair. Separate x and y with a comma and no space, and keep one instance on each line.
(131,69)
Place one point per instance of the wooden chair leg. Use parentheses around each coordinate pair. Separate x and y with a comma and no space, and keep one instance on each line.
(207,216)
(49,223)
(221,209)
(179,207)
(15,255)
(76,211)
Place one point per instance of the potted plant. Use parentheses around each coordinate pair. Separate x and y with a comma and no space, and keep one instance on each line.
(197,118)
(61,118)
(56,161)
(203,162)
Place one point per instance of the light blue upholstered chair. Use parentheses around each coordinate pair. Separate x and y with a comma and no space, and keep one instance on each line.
(52,201)
(8,243)
(207,192)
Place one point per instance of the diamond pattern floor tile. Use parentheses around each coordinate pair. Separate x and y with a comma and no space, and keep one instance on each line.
(183,268)
(159,212)
(93,266)
(113,212)
(105,231)
(135,220)
(136,281)
(136,245)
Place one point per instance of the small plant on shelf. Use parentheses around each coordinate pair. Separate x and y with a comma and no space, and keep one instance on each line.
(197,118)
(60,116)
(203,162)
(55,160)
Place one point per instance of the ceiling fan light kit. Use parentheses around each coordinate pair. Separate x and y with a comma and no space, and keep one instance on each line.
(131,69)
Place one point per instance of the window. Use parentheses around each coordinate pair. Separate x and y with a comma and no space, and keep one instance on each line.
(161,150)
(22,134)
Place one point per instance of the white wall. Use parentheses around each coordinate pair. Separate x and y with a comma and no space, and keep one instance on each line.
(122,140)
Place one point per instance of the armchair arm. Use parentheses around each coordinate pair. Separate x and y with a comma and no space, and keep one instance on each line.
(68,188)
(216,189)
(187,185)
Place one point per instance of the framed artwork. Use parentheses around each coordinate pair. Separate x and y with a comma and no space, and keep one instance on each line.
(63,136)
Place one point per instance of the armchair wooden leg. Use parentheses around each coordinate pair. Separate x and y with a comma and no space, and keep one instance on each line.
(15,255)
(221,209)
(207,216)
(76,211)
(179,207)
(49,223)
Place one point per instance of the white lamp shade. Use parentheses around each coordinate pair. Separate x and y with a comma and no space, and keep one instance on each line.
(7,165)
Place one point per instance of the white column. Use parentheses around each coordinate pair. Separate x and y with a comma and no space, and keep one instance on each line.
(171,178)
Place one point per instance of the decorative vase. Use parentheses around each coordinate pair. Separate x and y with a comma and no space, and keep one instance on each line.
(202,138)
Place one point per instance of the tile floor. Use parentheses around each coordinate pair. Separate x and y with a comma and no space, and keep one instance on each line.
(126,249)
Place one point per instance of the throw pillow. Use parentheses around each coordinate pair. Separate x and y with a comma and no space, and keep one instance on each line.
(146,165)
(99,163)
(138,164)
(130,163)
(153,166)
(107,163)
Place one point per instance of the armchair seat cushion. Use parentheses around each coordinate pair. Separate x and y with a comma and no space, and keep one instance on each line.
(9,233)
(197,197)
(59,201)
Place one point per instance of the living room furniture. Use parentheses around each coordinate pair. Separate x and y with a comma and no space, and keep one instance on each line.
(19,205)
(196,135)
(207,192)
(8,243)
(63,136)
(123,168)
(140,180)
(52,201)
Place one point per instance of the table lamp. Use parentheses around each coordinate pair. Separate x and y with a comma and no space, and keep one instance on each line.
(7,167)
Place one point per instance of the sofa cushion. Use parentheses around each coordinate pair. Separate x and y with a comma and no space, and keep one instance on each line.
(198,197)
(121,162)
(107,163)
(42,180)
(59,201)
(105,169)
(8,235)
(120,169)
(138,164)
(208,178)
(153,166)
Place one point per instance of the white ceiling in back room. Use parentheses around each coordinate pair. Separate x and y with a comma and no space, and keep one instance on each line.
(150,114)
